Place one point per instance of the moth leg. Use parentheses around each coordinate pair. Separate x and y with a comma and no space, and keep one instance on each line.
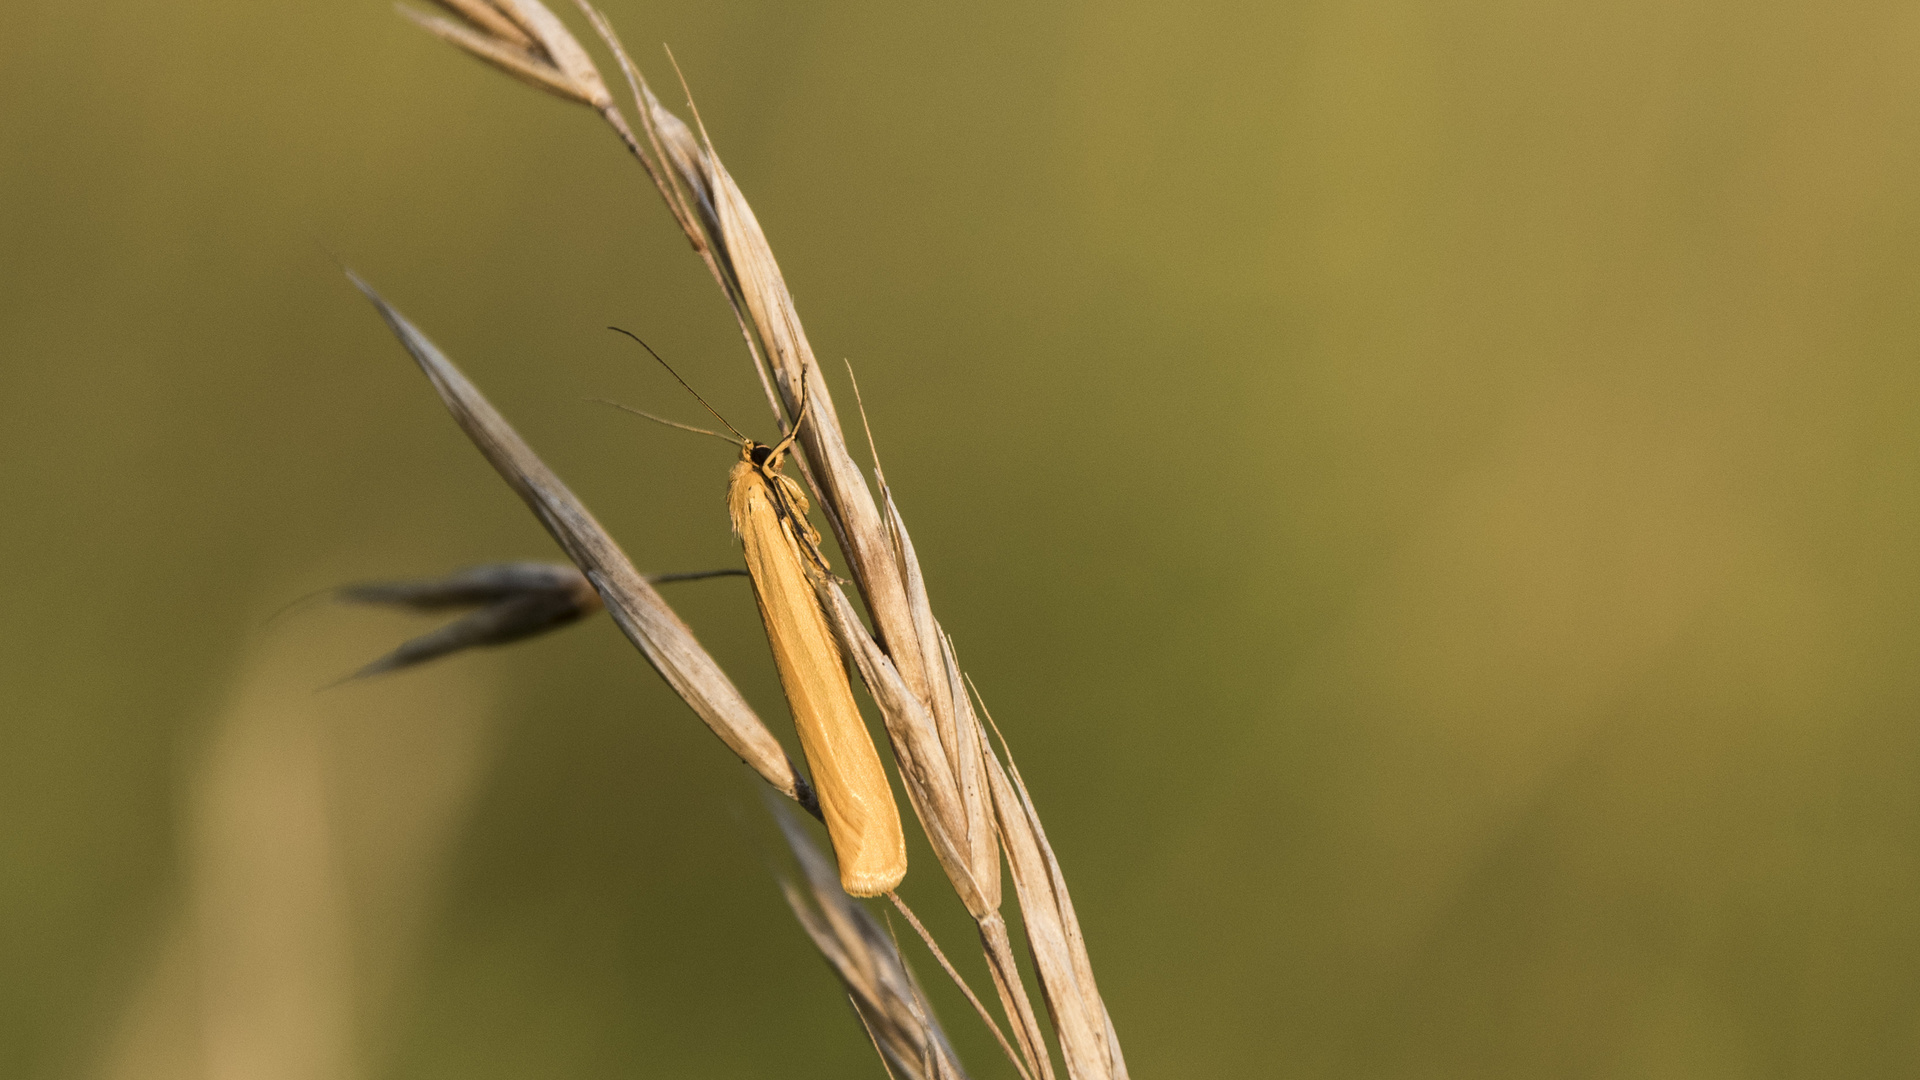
(791,503)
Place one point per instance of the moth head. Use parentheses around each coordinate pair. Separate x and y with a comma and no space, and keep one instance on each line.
(761,454)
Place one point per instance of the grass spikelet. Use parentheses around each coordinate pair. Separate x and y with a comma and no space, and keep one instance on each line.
(1088,1042)
(522,38)
(867,960)
(972,808)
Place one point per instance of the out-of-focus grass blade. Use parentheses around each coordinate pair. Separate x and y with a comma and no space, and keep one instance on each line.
(476,585)
(516,601)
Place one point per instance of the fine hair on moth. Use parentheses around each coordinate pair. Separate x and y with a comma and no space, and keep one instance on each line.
(768,511)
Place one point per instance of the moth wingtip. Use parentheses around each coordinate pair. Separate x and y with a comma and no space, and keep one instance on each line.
(874,880)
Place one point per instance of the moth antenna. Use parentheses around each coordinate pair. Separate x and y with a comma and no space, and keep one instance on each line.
(873,450)
(682,382)
(664,420)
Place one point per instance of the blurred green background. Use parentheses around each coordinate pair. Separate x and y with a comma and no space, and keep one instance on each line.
(1430,491)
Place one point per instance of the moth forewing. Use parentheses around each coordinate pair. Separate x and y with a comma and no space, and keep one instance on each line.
(769,515)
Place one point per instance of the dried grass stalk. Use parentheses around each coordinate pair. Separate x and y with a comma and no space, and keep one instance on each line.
(968,805)
(922,720)
(716,218)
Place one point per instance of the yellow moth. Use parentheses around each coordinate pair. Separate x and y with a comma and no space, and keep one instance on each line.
(769,513)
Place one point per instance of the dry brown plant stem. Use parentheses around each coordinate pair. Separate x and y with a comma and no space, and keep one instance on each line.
(972,808)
